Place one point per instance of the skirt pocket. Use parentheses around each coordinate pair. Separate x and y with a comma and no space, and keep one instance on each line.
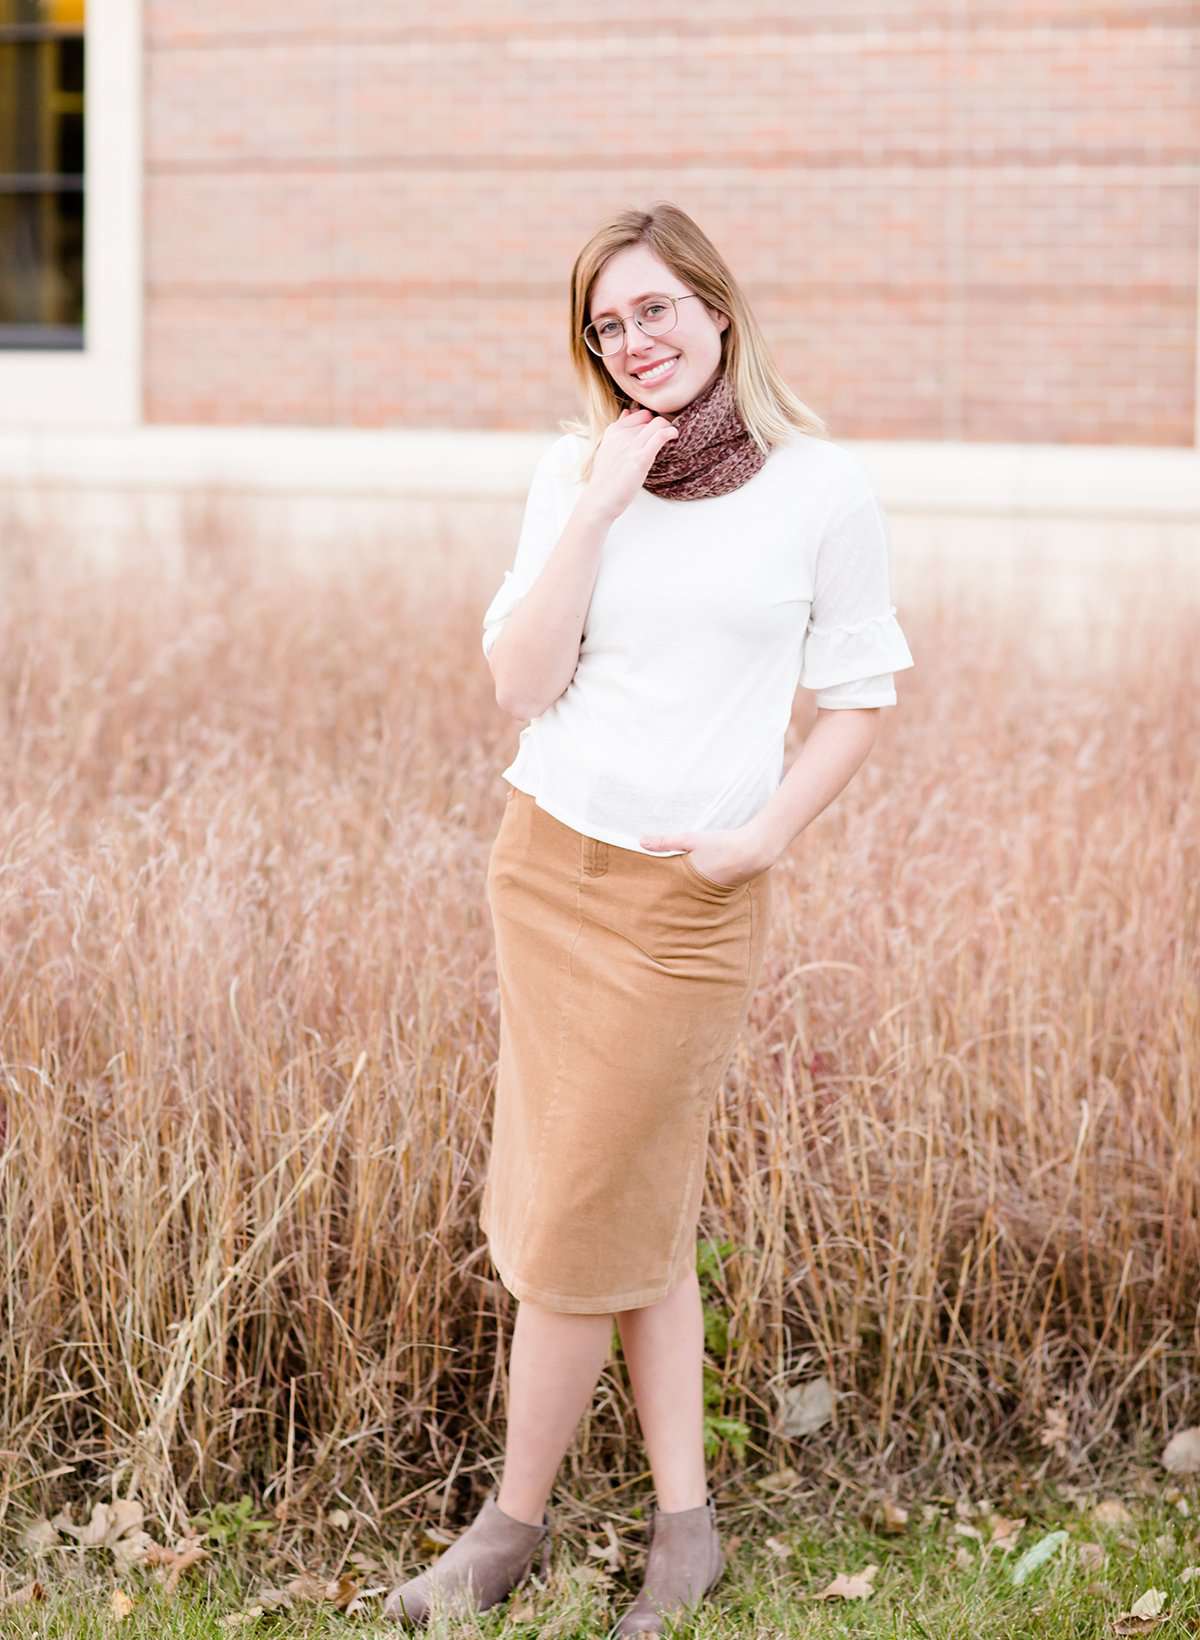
(707,882)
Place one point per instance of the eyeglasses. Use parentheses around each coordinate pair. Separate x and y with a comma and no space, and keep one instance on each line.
(655,316)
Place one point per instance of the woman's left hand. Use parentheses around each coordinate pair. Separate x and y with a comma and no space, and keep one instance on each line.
(729,858)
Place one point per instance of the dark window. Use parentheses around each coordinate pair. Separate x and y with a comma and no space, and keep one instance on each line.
(41,173)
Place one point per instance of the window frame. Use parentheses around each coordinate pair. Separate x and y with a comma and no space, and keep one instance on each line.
(100,384)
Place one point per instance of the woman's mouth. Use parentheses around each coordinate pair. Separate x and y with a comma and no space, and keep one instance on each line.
(660,373)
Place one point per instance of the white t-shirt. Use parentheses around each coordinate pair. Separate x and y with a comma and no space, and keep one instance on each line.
(704,617)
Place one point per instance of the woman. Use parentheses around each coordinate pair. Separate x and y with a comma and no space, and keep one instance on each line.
(688,555)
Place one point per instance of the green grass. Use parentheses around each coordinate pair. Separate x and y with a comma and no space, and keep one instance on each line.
(933,1579)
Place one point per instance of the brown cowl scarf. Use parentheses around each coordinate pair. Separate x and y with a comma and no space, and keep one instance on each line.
(712,454)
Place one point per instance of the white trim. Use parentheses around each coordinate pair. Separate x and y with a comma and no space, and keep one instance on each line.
(99,386)
(912,476)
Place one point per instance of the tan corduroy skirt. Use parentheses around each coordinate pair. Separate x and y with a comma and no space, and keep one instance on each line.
(624,980)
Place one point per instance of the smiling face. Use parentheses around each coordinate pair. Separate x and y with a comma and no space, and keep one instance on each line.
(693,346)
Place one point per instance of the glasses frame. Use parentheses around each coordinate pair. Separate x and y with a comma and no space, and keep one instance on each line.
(657,296)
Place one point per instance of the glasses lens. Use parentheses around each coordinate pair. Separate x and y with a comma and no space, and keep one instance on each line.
(606,337)
(654,316)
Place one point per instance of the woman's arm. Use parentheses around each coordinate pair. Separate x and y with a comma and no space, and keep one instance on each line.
(534,625)
(535,656)
(834,749)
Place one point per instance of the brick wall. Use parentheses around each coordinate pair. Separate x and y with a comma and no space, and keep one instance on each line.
(959,220)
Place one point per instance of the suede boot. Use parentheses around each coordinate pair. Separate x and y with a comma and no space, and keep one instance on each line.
(479,1568)
(684,1561)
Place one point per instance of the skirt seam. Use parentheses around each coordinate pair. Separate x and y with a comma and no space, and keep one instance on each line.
(750,946)
(551,1101)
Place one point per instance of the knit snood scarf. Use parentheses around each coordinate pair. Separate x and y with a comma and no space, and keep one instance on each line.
(712,452)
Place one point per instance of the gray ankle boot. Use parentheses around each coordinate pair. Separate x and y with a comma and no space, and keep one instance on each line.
(684,1560)
(479,1568)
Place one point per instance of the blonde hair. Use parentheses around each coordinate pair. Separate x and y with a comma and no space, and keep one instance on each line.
(769,409)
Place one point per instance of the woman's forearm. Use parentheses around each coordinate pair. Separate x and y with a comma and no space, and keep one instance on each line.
(534,658)
(836,745)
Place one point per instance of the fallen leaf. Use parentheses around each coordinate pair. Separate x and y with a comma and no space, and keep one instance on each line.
(270,1600)
(26,1595)
(1148,1604)
(964,1559)
(339,1518)
(1145,1614)
(1182,1453)
(363,1597)
(961,1527)
(609,1552)
(341,1590)
(308,1585)
(1166,1545)
(120,1604)
(1005,1532)
(805,1408)
(169,1565)
(132,1549)
(852,1586)
(590,1574)
(108,1522)
(1036,1555)
(781,1480)
(1188,1573)
(1112,1512)
(1055,1433)
(894,1516)
(778,1547)
(39,1535)
(1091,1555)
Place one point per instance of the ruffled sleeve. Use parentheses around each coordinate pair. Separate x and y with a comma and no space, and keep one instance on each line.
(853,643)
(547,507)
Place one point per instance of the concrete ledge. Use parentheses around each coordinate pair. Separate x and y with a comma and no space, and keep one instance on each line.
(1135,482)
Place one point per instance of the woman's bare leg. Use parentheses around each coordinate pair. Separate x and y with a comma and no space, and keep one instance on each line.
(663,1346)
(554,1364)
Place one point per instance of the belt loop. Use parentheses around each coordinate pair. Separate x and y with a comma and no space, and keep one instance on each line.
(595,856)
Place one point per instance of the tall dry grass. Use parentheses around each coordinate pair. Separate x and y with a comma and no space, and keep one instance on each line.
(248,1017)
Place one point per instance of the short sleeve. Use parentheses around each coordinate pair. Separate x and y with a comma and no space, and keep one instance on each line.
(547,507)
(853,643)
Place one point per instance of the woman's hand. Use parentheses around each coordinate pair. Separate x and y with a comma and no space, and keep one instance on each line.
(728,858)
(624,456)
